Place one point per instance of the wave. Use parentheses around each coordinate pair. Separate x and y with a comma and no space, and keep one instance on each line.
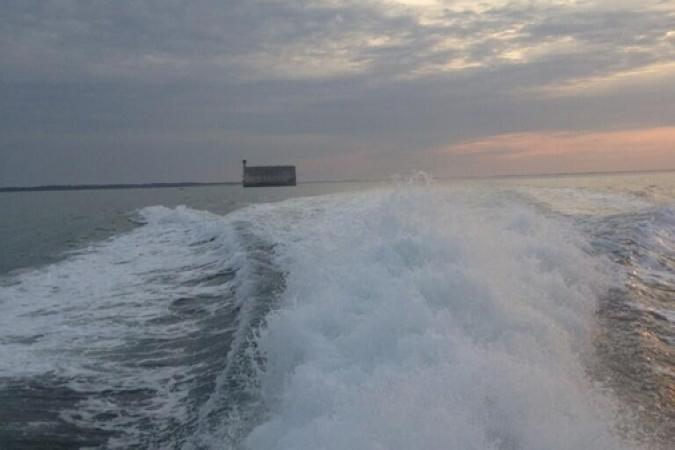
(120,345)
(637,319)
(414,317)
(427,319)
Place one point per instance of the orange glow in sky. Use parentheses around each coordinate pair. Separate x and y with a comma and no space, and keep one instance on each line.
(531,152)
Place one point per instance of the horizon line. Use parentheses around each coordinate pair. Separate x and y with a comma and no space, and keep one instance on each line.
(170,184)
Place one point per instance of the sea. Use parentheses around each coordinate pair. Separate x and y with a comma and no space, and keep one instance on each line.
(533,313)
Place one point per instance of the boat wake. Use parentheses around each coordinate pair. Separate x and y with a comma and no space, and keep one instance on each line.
(412,317)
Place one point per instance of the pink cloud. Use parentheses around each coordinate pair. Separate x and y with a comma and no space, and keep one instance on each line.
(541,152)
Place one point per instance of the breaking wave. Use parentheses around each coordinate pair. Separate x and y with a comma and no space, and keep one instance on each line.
(413,317)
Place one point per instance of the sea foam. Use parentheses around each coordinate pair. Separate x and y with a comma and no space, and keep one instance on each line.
(113,331)
(415,317)
(422,318)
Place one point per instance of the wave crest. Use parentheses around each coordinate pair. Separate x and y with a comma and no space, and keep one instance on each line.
(431,319)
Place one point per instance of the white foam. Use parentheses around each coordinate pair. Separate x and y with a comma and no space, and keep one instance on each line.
(587,201)
(121,283)
(73,321)
(418,317)
(423,318)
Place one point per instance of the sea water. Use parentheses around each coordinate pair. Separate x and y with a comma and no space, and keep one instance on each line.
(522,313)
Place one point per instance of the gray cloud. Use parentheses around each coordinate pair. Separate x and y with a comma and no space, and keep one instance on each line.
(106,91)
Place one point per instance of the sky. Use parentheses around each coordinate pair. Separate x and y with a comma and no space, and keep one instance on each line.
(125,91)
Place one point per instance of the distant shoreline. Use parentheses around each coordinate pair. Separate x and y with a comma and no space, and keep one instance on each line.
(86,187)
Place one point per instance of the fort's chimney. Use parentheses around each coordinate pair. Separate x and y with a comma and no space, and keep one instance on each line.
(244,161)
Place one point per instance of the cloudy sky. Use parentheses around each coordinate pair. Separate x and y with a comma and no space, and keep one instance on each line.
(102,91)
